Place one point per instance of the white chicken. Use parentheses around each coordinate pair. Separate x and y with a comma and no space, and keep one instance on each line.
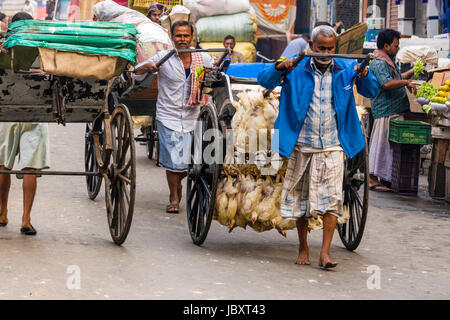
(226,212)
(283,224)
(267,208)
(251,196)
(270,113)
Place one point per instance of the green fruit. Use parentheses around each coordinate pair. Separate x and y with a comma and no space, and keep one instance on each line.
(418,68)
(426,90)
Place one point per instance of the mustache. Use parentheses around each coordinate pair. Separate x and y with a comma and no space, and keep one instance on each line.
(323,60)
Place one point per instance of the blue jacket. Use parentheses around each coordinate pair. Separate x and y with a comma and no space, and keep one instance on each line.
(296,95)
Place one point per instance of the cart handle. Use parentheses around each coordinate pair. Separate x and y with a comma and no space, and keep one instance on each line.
(366,57)
(178,51)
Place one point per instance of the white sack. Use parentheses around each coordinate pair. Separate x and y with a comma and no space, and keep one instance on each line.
(208,8)
(411,54)
(149,31)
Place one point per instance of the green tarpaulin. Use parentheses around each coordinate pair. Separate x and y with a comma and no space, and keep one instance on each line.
(105,38)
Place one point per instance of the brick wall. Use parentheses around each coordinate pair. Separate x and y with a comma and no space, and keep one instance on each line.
(348,12)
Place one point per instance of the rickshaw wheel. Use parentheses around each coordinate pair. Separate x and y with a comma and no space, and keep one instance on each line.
(202,177)
(120,187)
(356,198)
(150,141)
(93,183)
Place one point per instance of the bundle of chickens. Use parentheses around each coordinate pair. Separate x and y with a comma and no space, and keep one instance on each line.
(244,196)
(246,201)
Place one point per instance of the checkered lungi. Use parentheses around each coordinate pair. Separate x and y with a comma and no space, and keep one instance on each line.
(313,184)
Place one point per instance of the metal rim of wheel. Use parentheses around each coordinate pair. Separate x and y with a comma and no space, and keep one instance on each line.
(93,183)
(120,185)
(356,198)
(202,180)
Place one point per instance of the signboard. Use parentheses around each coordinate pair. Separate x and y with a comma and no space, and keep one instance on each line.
(275,16)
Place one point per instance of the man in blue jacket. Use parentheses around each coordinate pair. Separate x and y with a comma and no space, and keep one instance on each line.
(316,125)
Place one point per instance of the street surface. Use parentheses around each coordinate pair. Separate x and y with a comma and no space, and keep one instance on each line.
(406,247)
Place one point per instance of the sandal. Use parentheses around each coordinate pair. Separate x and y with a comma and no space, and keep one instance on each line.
(28,231)
(380,188)
(173,208)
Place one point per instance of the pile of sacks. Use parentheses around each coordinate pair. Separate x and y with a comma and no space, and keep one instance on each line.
(152,38)
(215,19)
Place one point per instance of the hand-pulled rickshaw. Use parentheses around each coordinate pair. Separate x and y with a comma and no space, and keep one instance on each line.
(204,176)
(52,72)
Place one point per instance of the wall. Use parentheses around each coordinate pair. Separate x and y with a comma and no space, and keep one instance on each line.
(303,17)
(347,12)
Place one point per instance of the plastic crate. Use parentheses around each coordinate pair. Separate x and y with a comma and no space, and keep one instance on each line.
(409,132)
(405,168)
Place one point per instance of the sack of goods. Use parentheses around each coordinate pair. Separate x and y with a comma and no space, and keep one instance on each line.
(208,8)
(84,49)
(247,49)
(152,38)
(240,25)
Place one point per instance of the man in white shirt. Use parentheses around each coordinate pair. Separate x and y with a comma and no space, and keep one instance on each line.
(178,106)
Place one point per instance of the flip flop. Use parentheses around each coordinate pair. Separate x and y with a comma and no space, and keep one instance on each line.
(28,231)
(173,208)
(377,188)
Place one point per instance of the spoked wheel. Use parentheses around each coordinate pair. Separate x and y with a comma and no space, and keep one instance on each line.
(356,199)
(90,156)
(152,142)
(120,185)
(203,174)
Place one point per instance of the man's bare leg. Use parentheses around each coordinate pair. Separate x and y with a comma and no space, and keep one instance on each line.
(329,225)
(29,191)
(5,184)
(173,180)
(373,181)
(180,186)
(303,250)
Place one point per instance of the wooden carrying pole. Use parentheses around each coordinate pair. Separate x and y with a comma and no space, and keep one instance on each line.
(364,10)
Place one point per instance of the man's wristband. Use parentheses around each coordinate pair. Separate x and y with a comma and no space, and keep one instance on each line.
(280,60)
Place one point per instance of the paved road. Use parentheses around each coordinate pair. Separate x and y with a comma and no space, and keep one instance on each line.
(406,239)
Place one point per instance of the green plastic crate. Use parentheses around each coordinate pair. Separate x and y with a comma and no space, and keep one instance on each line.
(409,132)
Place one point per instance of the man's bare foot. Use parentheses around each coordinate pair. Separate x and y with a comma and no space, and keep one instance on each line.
(326,262)
(373,181)
(303,258)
